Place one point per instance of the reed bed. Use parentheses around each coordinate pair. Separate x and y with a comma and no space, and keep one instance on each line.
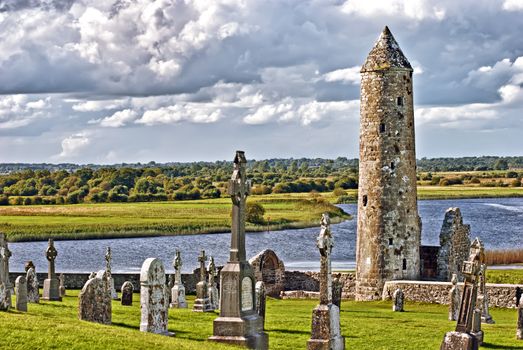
(504,256)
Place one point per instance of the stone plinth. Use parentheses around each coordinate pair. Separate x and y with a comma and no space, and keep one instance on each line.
(51,290)
(326,333)
(459,341)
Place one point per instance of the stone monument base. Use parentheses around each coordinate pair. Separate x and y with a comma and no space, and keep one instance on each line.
(459,341)
(178,298)
(51,290)
(245,331)
(487,319)
(479,336)
(326,333)
(202,305)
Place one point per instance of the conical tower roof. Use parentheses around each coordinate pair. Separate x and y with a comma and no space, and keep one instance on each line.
(385,54)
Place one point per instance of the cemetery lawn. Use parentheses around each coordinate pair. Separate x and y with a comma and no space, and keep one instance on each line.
(365,325)
(109,220)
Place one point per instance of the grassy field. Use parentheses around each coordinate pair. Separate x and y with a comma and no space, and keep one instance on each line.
(369,325)
(40,222)
(514,276)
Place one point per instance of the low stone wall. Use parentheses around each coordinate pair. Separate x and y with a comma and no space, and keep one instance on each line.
(310,281)
(500,295)
(77,280)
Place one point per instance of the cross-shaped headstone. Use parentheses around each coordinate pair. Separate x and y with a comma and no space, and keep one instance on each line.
(51,254)
(239,188)
(177,264)
(202,258)
(325,242)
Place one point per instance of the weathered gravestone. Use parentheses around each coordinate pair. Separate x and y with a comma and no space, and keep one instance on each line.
(202,302)
(94,301)
(238,322)
(337,289)
(483,297)
(269,269)
(154,298)
(127,293)
(261,299)
(462,338)
(108,259)
(519,330)
(399,300)
(326,333)
(214,295)
(5,284)
(51,283)
(21,293)
(62,285)
(454,299)
(33,294)
(178,290)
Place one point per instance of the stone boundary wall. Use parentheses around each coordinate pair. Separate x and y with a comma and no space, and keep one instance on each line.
(500,295)
(310,281)
(77,280)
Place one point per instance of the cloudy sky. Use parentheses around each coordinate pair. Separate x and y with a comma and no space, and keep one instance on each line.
(111,81)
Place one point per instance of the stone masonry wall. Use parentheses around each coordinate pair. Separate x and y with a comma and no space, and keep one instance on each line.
(501,295)
(454,245)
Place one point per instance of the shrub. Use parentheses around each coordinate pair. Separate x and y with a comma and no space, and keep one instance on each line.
(515,183)
(475,180)
(339,192)
(4,200)
(254,213)
(511,174)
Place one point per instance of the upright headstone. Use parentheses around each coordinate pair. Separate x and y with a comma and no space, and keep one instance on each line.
(154,298)
(33,294)
(127,293)
(326,333)
(238,322)
(337,289)
(62,285)
(108,258)
(202,302)
(5,294)
(462,338)
(51,283)
(454,299)
(484,305)
(94,301)
(519,330)
(261,299)
(399,300)
(178,290)
(214,295)
(21,293)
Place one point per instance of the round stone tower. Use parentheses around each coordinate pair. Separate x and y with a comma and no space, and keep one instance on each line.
(389,228)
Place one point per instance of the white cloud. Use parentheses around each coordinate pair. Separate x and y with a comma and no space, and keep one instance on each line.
(99,105)
(72,145)
(21,110)
(413,9)
(513,5)
(118,119)
(192,112)
(346,75)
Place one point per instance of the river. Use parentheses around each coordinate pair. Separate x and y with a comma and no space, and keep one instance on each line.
(497,221)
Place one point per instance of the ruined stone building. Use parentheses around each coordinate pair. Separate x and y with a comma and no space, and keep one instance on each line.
(389,228)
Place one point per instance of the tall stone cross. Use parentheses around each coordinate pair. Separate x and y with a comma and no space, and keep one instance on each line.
(202,258)
(471,270)
(177,264)
(325,242)
(108,258)
(212,271)
(5,254)
(239,189)
(51,254)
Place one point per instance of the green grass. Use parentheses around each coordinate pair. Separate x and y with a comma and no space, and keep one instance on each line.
(40,222)
(514,276)
(368,325)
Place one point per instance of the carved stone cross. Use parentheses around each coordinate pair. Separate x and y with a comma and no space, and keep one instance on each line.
(177,264)
(212,271)
(325,243)
(51,255)
(239,188)
(108,257)
(202,258)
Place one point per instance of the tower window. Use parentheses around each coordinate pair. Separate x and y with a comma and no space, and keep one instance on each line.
(365,199)
(404,264)
(400,115)
(392,166)
(382,127)
(391,242)
(399,101)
